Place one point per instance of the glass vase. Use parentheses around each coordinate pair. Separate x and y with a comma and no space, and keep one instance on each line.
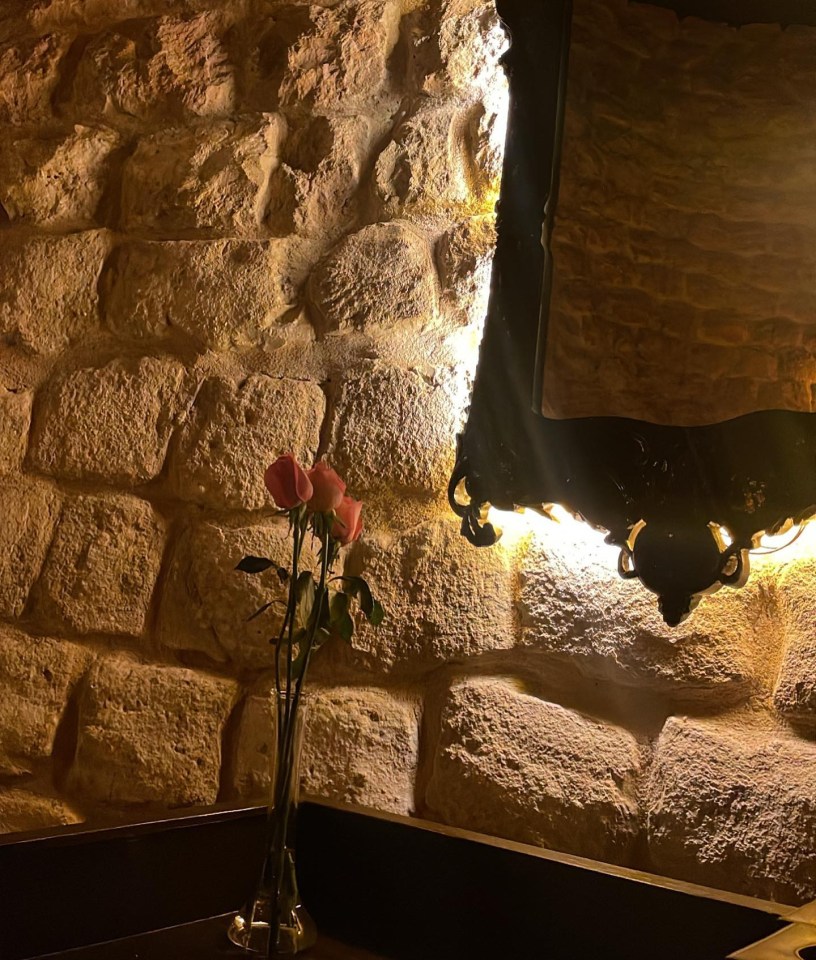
(274,922)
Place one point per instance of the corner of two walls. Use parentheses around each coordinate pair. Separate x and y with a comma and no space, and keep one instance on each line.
(238,229)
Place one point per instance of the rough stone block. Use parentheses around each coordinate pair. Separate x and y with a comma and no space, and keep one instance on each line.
(211,179)
(22,810)
(150,734)
(29,513)
(235,431)
(576,608)
(382,403)
(56,182)
(220,293)
(170,68)
(361,746)
(356,39)
(795,694)
(432,619)
(36,676)
(29,73)
(381,276)
(206,602)
(111,423)
(471,43)
(734,807)
(102,566)
(49,285)
(509,764)
(15,418)
(464,255)
(423,166)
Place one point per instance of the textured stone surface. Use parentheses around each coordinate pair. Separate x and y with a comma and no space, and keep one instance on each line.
(395,430)
(671,196)
(734,807)
(29,513)
(15,418)
(102,566)
(205,180)
(56,182)
(150,734)
(356,39)
(36,676)
(465,256)
(432,619)
(381,276)
(253,758)
(111,423)
(235,431)
(512,765)
(49,298)
(361,746)
(471,43)
(575,607)
(22,810)
(207,602)
(220,292)
(424,164)
(157,69)
(795,694)
(29,72)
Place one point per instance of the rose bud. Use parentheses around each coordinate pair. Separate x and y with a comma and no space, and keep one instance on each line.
(328,488)
(348,524)
(288,482)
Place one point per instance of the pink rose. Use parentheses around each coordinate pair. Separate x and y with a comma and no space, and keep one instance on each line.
(328,488)
(288,482)
(348,524)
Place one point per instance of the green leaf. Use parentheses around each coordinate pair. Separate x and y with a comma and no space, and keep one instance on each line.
(377,614)
(283,574)
(340,617)
(259,611)
(254,564)
(304,597)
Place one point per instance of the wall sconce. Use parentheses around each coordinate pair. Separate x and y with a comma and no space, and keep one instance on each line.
(684,504)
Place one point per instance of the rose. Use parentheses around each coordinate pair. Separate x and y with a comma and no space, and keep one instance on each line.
(328,488)
(348,524)
(288,482)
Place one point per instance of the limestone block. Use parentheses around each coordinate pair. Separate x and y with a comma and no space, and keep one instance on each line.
(236,430)
(361,746)
(207,603)
(170,68)
(576,608)
(381,276)
(36,676)
(511,765)
(471,43)
(433,619)
(484,145)
(92,15)
(253,758)
(219,292)
(339,63)
(56,182)
(733,807)
(110,423)
(464,256)
(423,165)
(322,163)
(22,810)
(15,418)
(29,73)
(203,180)
(102,566)
(28,514)
(49,284)
(150,734)
(382,403)
(795,694)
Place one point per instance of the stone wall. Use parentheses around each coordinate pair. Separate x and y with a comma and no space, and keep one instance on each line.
(229,230)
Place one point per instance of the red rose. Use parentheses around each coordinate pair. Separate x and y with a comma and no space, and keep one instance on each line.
(288,482)
(348,524)
(327,486)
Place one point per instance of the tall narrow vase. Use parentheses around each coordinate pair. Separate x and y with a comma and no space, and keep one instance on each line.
(274,923)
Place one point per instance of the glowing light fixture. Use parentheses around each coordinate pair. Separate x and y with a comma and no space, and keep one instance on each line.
(684,506)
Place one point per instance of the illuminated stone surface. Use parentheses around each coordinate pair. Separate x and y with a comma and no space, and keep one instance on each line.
(22,810)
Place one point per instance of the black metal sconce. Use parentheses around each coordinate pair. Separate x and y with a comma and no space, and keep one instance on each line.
(663,494)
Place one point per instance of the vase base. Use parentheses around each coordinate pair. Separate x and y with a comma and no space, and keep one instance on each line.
(292,938)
